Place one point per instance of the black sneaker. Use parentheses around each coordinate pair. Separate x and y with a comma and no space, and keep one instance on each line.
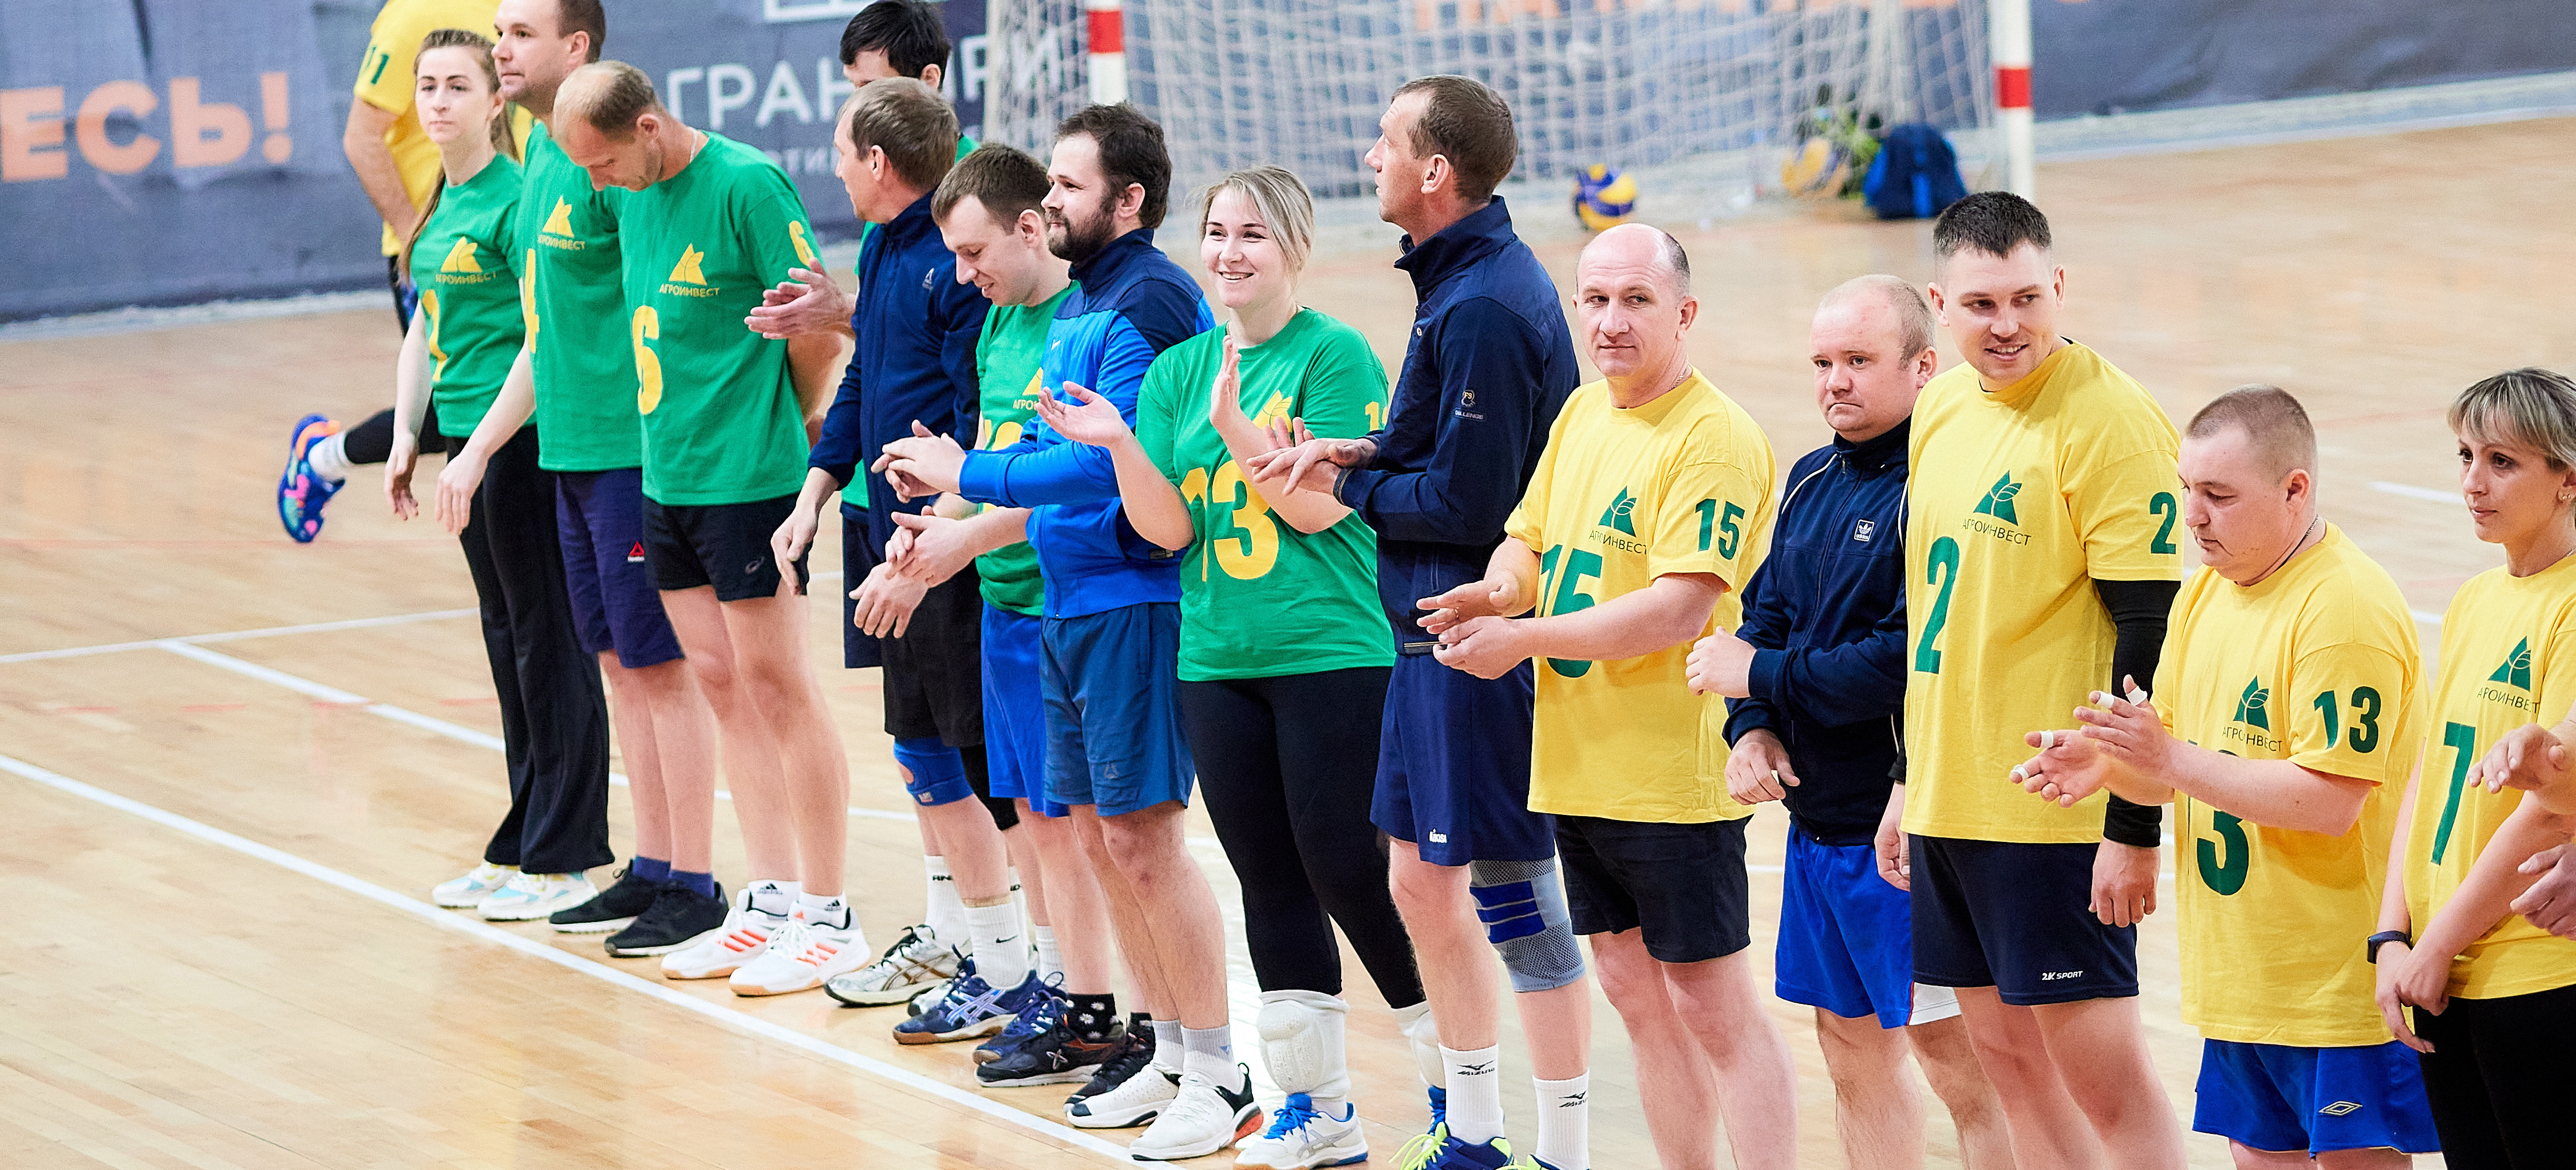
(1129,1054)
(677,918)
(613,909)
(1053,1054)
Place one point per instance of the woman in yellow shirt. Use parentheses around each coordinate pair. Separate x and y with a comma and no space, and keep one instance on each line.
(2494,996)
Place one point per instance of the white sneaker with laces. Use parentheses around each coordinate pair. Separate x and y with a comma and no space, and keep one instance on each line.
(1138,1099)
(537,895)
(916,962)
(468,892)
(745,936)
(1201,1120)
(802,956)
(1303,1137)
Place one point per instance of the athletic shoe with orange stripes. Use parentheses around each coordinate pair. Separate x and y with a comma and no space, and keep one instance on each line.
(803,955)
(745,936)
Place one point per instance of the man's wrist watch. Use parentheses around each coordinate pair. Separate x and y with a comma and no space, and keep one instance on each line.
(2384,938)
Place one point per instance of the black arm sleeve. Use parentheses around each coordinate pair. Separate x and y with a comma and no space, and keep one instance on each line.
(2138,611)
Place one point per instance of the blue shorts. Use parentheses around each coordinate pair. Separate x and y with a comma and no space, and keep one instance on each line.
(1453,765)
(1111,683)
(2287,1099)
(1847,938)
(599,519)
(1015,709)
(2012,916)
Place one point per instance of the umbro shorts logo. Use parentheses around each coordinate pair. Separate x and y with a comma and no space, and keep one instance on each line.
(2340,1108)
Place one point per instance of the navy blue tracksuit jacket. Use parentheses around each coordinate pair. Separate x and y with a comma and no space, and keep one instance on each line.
(1488,366)
(1826,614)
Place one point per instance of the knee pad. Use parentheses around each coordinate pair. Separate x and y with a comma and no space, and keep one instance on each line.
(1301,1042)
(937,772)
(1522,904)
(1422,1035)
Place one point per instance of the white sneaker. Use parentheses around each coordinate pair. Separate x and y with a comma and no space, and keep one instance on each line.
(744,936)
(1302,1137)
(1138,1099)
(802,956)
(468,892)
(536,895)
(1201,1120)
(915,963)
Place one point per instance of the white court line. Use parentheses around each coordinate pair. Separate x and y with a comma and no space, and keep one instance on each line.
(239,635)
(450,920)
(2412,492)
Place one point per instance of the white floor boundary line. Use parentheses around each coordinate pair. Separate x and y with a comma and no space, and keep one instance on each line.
(239,635)
(474,928)
(2412,492)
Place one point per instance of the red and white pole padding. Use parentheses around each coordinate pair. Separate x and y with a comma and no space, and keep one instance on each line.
(2008,42)
(1106,25)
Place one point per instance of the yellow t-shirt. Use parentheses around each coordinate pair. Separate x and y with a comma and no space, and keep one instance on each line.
(2316,664)
(2508,658)
(1682,484)
(2020,496)
(385,81)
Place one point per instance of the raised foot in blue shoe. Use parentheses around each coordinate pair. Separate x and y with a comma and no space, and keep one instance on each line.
(301,494)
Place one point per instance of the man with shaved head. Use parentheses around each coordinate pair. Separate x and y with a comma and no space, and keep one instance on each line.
(1815,679)
(1650,505)
(2283,726)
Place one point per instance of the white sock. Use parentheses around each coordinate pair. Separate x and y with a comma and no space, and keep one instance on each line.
(1167,1045)
(1050,959)
(1565,1122)
(1001,954)
(1475,1094)
(775,897)
(1209,1052)
(825,910)
(947,912)
(329,458)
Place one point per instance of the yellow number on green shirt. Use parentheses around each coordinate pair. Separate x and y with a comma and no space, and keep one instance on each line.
(1254,547)
(1561,572)
(989,437)
(2462,739)
(1376,412)
(1945,555)
(528,297)
(648,368)
(429,309)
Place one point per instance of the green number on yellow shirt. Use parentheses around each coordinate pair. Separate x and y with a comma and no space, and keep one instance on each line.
(2462,739)
(2225,876)
(2163,505)
(1945,555)
(1567,596)
(648,368)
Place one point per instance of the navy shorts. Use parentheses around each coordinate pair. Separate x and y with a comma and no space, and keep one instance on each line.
(723,545)
(1015,736)
(599,518)
(859,557)
(1111,683)
(1847,938)
(932,687)
(2286,1099)
(1453,765)
(2012,916)
(1681,886)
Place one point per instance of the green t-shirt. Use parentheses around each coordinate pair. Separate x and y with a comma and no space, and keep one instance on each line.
(568,259)
(1258,597)
(469,293)
(1008,382)
(721,420)
(855,493)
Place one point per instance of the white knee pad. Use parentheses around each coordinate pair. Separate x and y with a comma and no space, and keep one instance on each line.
(1422,1034)
(1522,904)
(1301,1043)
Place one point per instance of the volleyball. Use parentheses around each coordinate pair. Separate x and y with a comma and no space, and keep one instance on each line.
(1603,197)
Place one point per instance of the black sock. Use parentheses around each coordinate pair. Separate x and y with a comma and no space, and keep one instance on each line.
(1092,1017)
(1140,1030)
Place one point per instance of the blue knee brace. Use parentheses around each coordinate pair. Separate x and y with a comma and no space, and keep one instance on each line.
(1522,904)
(938,772)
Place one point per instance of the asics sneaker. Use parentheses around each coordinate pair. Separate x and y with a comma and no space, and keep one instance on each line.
(1451,1154)
(1033,1019)
(1132,1099)
(614,908)
(530,896)
(916,962)
(744,935)
(972,1008)
(1204,1117)
(1302,1137)
(301,493)
(935,992)
(468,892)
(1051,1052)
(803,956)
(678,917)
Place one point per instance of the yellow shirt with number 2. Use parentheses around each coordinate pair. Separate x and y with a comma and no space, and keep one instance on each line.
(1682,484)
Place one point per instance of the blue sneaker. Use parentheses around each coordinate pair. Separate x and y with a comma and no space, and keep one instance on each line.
(300,493)
(1035,1018)
(1448,1153)
(970,1009)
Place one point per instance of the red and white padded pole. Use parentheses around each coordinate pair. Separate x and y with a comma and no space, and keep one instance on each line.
(2008,41)
(1106,26)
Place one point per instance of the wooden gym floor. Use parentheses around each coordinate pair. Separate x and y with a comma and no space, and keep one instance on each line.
(234,766)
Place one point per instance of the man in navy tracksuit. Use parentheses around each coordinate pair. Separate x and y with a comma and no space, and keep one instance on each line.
(1488,366)
(1111,635)
(1816,679)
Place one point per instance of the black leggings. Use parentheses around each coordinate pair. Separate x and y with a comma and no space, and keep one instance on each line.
(1288,766)
(2497,1078)
(554,709)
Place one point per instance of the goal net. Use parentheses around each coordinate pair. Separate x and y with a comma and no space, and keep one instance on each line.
(1623,83)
